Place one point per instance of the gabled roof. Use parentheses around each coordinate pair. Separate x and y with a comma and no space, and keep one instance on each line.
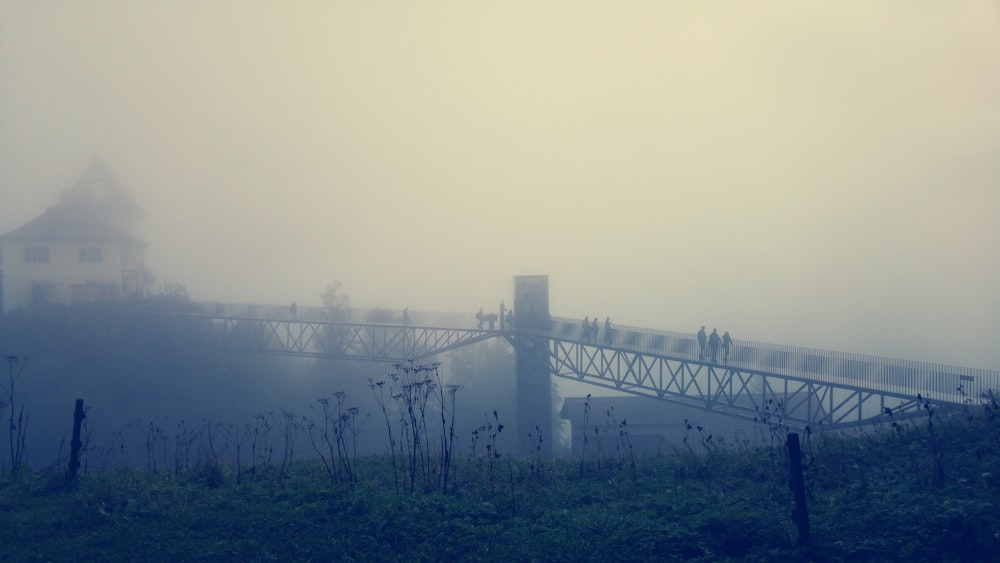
(98,193)
(60,225)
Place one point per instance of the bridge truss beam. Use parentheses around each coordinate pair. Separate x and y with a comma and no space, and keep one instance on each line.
(359,341)
(746,393)
(799,390)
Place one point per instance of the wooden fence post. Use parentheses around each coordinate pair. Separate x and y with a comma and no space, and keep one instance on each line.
(76,444)
(798,485)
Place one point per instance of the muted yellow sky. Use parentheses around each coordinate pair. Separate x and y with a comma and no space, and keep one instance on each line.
(816,174)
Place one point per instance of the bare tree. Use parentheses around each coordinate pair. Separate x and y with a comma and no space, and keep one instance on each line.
(337,303)
(18,421)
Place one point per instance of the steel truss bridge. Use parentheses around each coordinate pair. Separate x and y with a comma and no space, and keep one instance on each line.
(812,388)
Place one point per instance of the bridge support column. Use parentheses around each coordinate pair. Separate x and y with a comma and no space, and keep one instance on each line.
(534,379)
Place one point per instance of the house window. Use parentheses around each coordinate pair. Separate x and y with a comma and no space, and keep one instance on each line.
(93,255)
(36,254)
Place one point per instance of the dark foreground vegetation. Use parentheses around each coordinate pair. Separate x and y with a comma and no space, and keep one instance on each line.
(920,490)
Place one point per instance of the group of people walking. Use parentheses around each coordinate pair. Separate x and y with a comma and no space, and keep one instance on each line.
(709,345)
(714,343)
(590,329)
(506,318)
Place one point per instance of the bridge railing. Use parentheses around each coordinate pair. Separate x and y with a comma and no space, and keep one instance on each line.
(375,315)
(933,381)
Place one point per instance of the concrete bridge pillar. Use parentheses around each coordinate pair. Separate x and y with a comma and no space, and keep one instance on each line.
(534,379)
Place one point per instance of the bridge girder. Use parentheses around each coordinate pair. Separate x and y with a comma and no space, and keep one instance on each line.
(358,341)
(800,389)
(745,393)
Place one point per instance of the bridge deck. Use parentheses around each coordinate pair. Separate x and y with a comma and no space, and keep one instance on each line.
(863,371)
(811,386)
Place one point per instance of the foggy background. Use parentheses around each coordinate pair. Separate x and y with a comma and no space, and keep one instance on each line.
(805,175)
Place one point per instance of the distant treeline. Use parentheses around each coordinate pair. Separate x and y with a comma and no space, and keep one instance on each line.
(133,376)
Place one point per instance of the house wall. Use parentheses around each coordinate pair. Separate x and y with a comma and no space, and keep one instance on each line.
(133,267)
(65,278)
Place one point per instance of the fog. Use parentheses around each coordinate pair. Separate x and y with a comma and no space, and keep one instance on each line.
(822,175)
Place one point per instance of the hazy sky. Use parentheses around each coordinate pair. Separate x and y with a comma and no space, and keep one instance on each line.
(815,174)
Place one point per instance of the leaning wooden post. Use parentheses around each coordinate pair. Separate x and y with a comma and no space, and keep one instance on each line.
(798,484)
(76,444)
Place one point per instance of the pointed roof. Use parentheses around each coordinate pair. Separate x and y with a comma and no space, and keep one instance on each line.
(98,193)
(96,208)
(58,224)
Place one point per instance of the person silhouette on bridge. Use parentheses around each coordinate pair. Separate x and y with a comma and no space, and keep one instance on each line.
(585,333)
(701,343)
(713,345)
(294,310)
(594,329)
(480,316)
(406,315)
(727,343)
(607,330)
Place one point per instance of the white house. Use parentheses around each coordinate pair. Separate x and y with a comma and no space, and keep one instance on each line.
(80,250)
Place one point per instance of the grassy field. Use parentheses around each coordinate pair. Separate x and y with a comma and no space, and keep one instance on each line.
(923,490)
